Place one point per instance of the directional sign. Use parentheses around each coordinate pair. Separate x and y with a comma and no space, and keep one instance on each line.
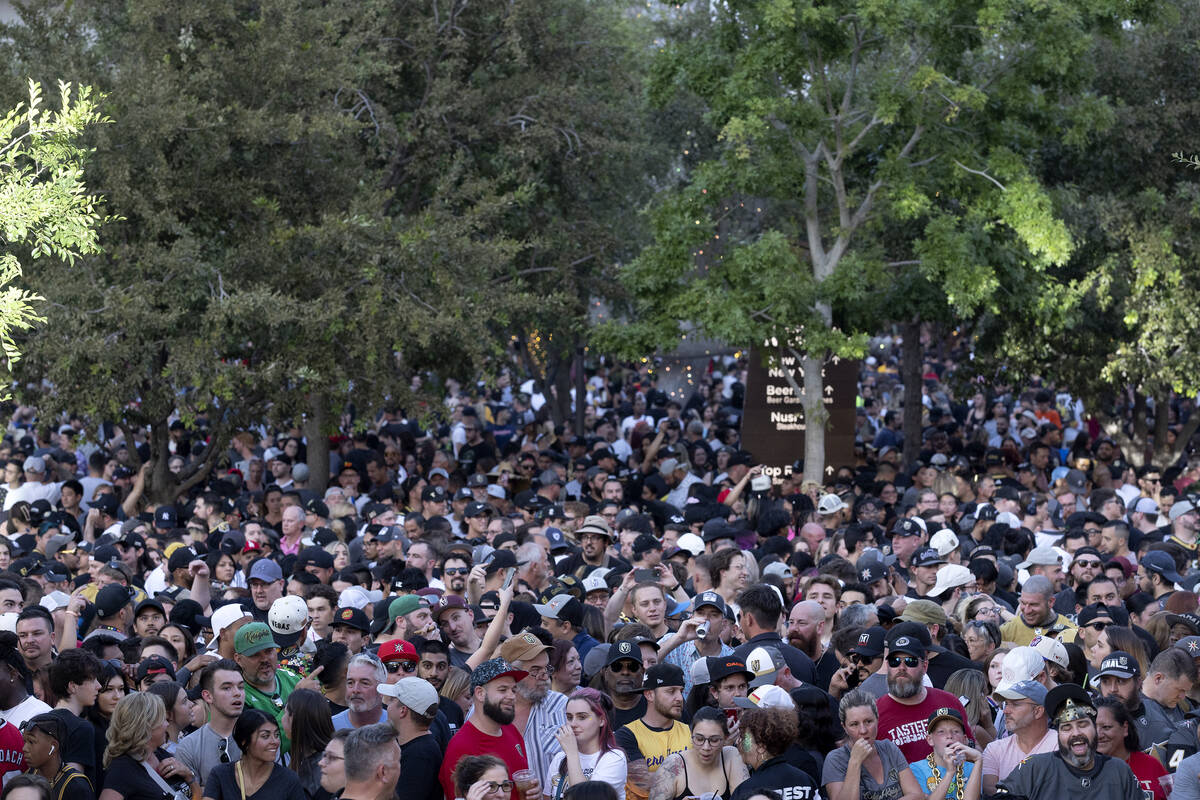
(773,424)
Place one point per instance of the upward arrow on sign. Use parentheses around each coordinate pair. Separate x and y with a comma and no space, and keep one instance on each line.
(828,389)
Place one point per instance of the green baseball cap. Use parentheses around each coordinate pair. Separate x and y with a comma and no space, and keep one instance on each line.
(253,638)
(404,605)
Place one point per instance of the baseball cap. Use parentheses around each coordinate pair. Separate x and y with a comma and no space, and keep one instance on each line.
(944,541)
(1021,664)
(181,558)
(523,647)
(477,509)
(448,602)
(709,599)
(1051,650)
(111,599)
(950,576)
(830,504)
(495,668)
(1028,690)
(870,642)
(925,612)
(763,663)
(166,518)
(314,556)
(1190,621)
(1179,509)
(253,638)
(1120,664)
(946,713)
(621,651)
(397,650)
(768,696)
(405,605)
(415,693)
(595,583)
(663,674)
(1041,556)
(287,618)
(351,618)
(225,616)
(905,643)
(154,665)
(266,570)
(691,543)
(1161,563)
(908,527)
(562,607)
(723,666)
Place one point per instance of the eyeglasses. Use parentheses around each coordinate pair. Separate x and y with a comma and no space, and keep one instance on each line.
(1097,626)
(909,661)
(331,757)
(455,571)
(540,672)
(504,786)
(711,741)
(223,749)
(988,610)
(631,667)
(400,666)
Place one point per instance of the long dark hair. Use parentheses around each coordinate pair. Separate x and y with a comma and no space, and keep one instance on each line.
(312,726)
(1121,716)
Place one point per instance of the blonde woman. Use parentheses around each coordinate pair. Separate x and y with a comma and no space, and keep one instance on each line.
(136,766)
(457,687)
(340,553)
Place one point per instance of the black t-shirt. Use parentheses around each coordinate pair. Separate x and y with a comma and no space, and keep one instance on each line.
(453,712)
(129,779)
(282,785)
(943,665)
(420,761)
(81,741)
(780,776)
(623,718)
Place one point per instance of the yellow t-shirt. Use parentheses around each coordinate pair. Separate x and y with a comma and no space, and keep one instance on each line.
(655,746)
(1016,631)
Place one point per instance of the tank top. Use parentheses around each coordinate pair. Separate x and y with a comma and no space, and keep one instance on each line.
(657,745)
(687,789)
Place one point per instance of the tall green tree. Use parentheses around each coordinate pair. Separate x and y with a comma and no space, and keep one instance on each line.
(46,210)
(1113,324)
(854,140)
(254,268)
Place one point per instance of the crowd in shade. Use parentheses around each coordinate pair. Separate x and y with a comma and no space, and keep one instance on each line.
(494,607)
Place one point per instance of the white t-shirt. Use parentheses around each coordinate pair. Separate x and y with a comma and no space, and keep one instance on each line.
(28,708)
(610,767)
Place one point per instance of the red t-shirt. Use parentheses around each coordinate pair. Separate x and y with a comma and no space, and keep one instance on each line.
(509,747)
(1147,770)
(12,750)
(907,726)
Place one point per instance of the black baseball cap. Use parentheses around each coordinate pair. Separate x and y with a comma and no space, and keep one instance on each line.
(723,666)
(664,674)
(870,642)
(623,651)
(351,618)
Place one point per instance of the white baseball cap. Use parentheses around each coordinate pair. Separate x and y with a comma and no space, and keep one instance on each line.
(225,616)
(1051,650)
(944,541)
(950,576)
(288,614)
(692,543)
(415,693)
(769,696)
(354,597)
(1020,664)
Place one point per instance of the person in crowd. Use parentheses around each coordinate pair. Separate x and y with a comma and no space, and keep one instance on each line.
(589,750)
(43,750)
(308,725)
(482,777)
(765,735)
(866,767)
(1062,772)
(180,712)
(1116,736)
(267,686)
(333,764)
(659,732)
(539,707)
(709,766)
(372,763)
(223,691)
(904,711)
(257,775)
(568,667)
(73,680)
(26,787)
(412,708)
(364,675)
(952,769)
(135,765)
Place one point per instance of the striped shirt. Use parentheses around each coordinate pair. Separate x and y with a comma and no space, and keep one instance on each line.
(541,744)
(684,655)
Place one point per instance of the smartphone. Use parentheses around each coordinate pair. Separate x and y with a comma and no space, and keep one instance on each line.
(643,575)
(509,574)
(731,714)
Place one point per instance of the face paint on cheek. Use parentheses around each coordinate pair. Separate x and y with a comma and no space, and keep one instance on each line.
(747,742)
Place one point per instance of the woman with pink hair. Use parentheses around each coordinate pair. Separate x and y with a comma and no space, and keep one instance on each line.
(589,746)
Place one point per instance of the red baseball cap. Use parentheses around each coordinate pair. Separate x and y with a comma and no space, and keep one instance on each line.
(397,650)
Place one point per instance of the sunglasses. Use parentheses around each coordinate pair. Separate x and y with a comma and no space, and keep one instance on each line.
(1097,626)
(631,667)
(400,666)
(1088,563)
(909,661)
(223,750)
(455,571)
(856,658)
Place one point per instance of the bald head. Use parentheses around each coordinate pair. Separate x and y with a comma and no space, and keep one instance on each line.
(808,611)
(1038,584)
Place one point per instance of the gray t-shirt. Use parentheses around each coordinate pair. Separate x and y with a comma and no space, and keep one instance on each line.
(893,764)
(201,751)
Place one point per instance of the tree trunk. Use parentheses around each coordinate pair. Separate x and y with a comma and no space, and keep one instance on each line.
(815,418)
(316,436)
(580,387)
(161,486)
(910,374)
(560,409)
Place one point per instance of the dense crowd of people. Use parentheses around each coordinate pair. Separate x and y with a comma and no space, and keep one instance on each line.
(499,608)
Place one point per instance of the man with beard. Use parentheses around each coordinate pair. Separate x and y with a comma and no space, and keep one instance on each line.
(267,688)
(540,711)
(594,536)
(1037,615)
(456,566)
(433,666)
(1026,722)
(904,711)
(806,628)
(659,732)
(490,731)
(364,673)
(1075,769)
(622,680)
